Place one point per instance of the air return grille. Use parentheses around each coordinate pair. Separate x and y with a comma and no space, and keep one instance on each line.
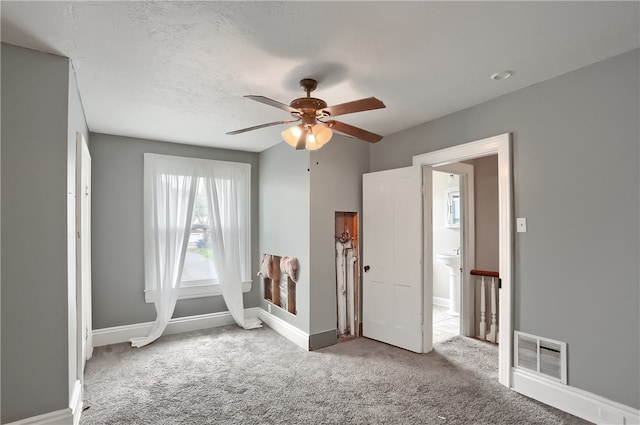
(542,356)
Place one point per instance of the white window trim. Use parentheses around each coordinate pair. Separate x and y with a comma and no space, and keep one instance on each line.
(196,291)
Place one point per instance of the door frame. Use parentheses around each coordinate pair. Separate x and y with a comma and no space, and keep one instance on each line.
(84,344)
(500,145)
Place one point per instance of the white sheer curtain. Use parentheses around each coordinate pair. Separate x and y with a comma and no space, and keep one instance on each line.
(169,191)
(170,185)
(228,200)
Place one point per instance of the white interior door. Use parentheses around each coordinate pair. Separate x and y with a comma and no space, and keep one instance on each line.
(83,262)
(392,297)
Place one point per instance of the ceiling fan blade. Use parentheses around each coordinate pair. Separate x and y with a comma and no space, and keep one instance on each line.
(255,127)
(355,106)
(356,132)
(273,103)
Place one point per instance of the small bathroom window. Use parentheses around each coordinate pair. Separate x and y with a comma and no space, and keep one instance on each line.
(453,208)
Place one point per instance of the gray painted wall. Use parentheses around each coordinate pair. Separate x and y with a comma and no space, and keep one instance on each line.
(37,119)
(485,177)
(576,179)
(117,226)
(336,185)
(284,220)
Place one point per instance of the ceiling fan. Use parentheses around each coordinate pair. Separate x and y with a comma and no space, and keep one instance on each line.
(316,127)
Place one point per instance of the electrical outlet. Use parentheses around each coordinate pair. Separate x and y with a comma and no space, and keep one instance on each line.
(269,308)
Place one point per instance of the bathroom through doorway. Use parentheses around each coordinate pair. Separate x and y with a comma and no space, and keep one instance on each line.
(465,240)
(447,246)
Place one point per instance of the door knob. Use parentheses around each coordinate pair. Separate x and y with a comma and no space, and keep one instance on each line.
(366,268)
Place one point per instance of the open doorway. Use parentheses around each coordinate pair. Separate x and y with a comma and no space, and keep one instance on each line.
(501,146)
(465,247)
(447,244)
(453,238)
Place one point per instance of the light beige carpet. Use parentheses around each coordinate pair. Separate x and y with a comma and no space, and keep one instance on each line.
(231,376)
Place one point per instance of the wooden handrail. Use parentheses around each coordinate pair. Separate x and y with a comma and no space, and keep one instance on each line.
(485,273)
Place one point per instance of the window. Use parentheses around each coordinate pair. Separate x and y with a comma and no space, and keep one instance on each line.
(453,208)
(227,182)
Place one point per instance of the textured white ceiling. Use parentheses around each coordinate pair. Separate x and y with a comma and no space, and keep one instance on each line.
(177,71)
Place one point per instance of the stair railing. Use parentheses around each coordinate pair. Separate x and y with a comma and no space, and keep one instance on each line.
(494,277)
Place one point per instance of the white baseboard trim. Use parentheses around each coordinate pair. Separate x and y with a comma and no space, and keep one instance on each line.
(75,404)
(118,334)
(252,312)
(442,302)
(70,416)
(583,404)
(293,334)
(59,417)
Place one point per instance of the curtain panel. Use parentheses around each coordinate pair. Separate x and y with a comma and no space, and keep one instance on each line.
(170,184)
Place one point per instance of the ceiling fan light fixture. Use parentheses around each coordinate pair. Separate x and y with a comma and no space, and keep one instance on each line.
(321,135)
(292,135)
(314,136)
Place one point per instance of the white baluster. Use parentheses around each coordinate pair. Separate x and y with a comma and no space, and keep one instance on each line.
(498,308)
(483,323)
(494,328)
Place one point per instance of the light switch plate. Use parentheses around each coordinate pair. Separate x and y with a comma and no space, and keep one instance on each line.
(521,225)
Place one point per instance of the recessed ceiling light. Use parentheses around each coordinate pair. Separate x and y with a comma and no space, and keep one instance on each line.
(501,75)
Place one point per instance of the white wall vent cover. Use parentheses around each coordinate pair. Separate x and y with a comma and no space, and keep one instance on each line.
(541,356)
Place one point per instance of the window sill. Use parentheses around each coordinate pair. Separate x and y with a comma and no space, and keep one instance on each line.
(196,291)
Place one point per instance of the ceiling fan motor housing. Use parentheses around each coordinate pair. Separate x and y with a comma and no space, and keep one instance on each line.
(311,108)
